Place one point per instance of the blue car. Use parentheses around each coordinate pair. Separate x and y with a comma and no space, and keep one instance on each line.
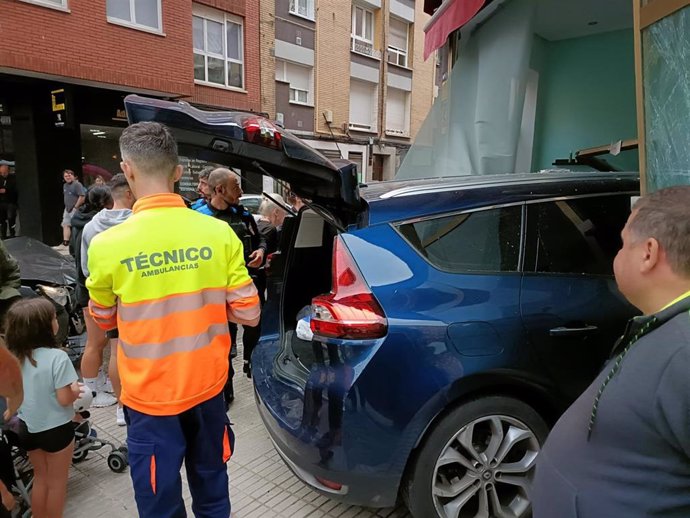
(423,335)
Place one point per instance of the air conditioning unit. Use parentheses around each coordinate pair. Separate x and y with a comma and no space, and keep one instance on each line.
(328,116)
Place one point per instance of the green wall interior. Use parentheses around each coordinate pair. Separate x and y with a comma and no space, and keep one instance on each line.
(586,96)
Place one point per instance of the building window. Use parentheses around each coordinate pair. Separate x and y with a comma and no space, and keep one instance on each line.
(300,79)
(218,48)
(399,38)
(56,4)
(304,8)
(397,112)
(363,105)
(144,14)
(363,31)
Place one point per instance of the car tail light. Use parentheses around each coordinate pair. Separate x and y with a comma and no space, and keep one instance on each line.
(350,310)
(258,130)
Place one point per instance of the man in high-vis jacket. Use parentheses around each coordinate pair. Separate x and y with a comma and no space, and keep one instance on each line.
(170,279)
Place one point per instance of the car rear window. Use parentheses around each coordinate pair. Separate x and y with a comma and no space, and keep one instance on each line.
(482,241)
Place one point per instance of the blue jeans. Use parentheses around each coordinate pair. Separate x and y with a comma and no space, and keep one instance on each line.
(202,438)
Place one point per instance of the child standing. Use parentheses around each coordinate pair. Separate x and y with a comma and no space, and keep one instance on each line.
(50,389)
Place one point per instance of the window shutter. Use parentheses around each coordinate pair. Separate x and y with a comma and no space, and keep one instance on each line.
(299,77)
(363,107)
(398,34)
(396,111)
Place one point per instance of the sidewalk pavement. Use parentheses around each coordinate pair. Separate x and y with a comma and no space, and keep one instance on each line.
(261,485)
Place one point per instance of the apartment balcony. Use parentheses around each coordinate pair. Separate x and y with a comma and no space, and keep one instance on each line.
(364,48)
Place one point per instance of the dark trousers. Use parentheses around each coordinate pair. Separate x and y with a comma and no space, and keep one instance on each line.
(250,338)
(8,219)
(202,438)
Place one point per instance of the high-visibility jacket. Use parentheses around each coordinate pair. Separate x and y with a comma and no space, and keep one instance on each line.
(169,279)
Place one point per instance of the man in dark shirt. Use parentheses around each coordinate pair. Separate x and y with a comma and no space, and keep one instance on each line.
(8,202)
(623,448)
(225,205)
(74,195)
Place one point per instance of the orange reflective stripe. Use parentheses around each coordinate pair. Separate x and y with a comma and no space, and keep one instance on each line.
(104,317)
(227,451)
(246,302)
(181,344)
(246,314)
(238,292)
(178,303)
(153,473)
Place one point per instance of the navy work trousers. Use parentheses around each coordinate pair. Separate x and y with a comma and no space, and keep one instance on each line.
(202,438)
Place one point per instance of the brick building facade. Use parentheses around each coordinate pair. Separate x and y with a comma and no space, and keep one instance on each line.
(66,65)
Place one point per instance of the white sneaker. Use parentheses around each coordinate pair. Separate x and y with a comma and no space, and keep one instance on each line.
(103,399)
(120,416)
(107,386)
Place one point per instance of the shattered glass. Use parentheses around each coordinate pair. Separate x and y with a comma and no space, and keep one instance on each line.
(666,62)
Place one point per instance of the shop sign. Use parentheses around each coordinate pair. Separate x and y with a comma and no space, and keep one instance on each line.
(58,104)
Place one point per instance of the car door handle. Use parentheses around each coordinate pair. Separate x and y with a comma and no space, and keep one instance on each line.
(573,331)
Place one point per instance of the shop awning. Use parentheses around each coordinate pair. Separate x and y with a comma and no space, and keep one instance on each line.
(450,16)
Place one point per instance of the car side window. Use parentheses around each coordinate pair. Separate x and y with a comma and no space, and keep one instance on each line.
(576,236)
(482,241)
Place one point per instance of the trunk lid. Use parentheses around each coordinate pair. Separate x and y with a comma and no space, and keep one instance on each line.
(251,142)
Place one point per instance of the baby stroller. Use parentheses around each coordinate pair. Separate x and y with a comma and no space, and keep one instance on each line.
(16,473)
(86,438)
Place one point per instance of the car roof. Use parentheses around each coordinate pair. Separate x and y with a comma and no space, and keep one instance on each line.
(406,199)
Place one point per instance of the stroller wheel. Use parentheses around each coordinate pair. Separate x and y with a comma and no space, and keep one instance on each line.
(79,456)
(117,461)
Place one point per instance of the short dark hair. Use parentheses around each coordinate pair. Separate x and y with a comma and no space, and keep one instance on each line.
(151,147)
(118,185)
(665,216)
(97,197)
(69,171)
(205,172)
(28,326)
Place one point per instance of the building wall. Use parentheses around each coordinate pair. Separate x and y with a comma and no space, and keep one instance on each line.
(424,72)
(81,44)
(332,64)
(267,35)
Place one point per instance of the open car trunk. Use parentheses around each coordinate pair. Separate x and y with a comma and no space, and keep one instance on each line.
(297,274)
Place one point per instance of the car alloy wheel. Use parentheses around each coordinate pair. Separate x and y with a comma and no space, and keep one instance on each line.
(485,470)
(476,460)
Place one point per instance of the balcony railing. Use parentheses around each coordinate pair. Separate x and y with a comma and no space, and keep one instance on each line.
(364,47)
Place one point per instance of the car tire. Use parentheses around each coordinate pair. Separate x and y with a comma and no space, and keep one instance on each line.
(447,479)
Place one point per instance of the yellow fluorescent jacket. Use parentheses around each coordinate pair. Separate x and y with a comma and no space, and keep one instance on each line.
(169,279)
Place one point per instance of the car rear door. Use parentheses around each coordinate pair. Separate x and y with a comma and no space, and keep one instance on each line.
(571,308)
